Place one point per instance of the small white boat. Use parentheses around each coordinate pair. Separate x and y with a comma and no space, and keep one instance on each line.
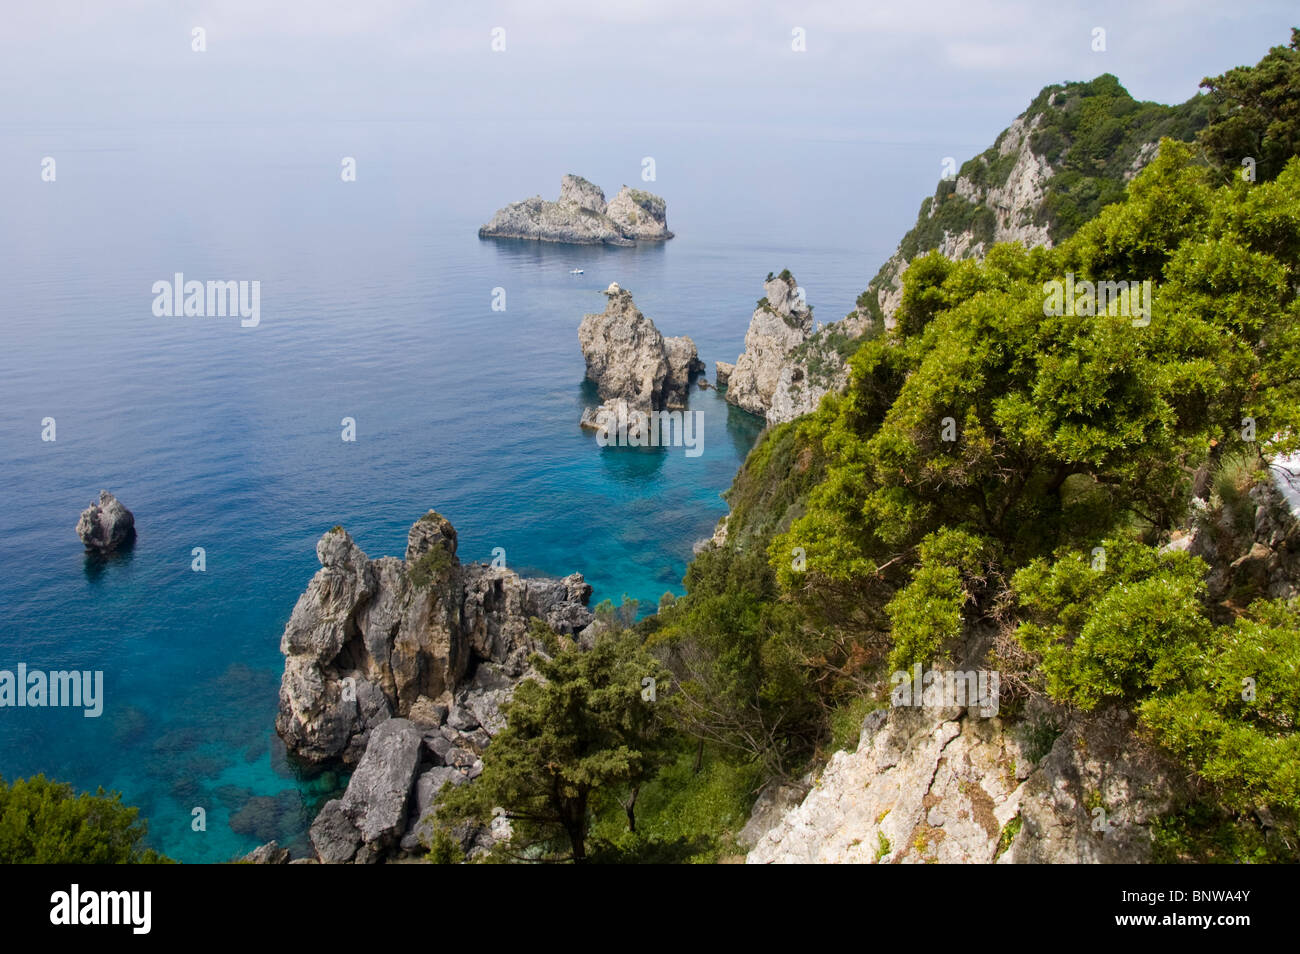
(575,271)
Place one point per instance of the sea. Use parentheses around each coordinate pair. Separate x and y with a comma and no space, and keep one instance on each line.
(227,442)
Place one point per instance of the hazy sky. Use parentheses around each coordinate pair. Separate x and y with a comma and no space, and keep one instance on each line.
(948,71)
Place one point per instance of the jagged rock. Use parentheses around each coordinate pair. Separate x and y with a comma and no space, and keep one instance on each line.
(333,834)
(461,719)
(579,191)
(369,639)
(630,362)
(780,324)
(639,215)
(420,824)
(372,814)
(426,713)
(937,785)
(723,371)
(106,526)
(581,217)
(377,793)
(269,854)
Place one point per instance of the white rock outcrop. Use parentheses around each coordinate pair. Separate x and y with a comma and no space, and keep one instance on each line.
(942,786)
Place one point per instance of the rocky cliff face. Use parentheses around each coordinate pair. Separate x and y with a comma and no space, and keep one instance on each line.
(401,666)
(634,367)
(1014,191)
(1051,786)
(581,217)
(947,786)
(787,367)
(373,639)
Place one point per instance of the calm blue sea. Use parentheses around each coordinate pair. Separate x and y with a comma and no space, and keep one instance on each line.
(376,305)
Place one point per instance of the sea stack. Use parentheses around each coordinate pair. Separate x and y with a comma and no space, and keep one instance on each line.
(631,363)
(106,526)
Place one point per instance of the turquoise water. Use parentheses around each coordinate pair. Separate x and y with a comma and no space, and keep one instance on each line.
(375,305)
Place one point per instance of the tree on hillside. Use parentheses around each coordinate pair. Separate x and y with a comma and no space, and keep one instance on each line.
(589,723)
(1255,112)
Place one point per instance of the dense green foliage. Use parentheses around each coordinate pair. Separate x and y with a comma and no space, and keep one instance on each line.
(1092,134)
(995,485)
(580,730)
(45,822)
(1255,113)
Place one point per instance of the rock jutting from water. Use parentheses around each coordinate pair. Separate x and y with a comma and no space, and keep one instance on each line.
(581,216)
(106,526)
(401,667)
(636,369)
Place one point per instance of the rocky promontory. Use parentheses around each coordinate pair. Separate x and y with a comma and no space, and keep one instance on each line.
(106,526)
(787,366)
(634,367)
(401,666)
(581,216)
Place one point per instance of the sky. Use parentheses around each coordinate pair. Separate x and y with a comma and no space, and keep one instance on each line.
(940,71)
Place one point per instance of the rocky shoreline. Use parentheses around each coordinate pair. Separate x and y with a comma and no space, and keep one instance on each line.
(400,667)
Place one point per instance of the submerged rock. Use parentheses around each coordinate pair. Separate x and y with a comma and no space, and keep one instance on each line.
(106,526)
(581,217)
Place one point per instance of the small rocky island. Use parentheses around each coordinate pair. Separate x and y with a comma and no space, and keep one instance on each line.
(106,526)
(581,216)
(634,367)
(400,667)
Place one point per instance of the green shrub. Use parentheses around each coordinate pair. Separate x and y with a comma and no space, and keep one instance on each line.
(45,822)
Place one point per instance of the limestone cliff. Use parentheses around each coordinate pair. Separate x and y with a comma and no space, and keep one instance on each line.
(1042,178)
(1046,785)
(947,786)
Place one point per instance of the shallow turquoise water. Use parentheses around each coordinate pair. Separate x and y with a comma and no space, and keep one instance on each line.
(375,305)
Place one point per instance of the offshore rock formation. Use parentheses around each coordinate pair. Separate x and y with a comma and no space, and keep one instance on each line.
(402,666)
(780,324)
(634,367)
(582,217)
(106,526)
(374,639)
